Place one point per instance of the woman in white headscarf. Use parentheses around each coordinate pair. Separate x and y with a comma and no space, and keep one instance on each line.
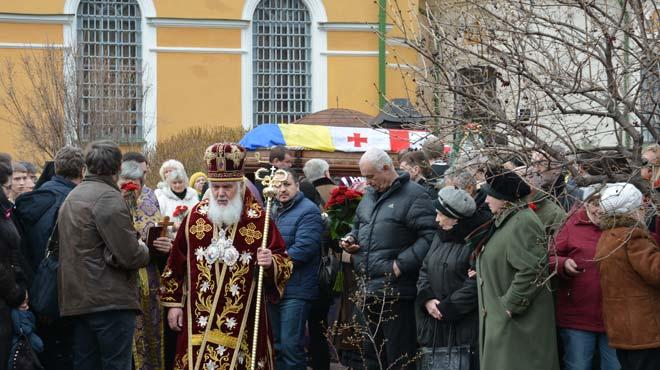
(175,194)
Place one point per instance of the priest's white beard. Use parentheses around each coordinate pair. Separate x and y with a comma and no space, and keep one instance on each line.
(226,215)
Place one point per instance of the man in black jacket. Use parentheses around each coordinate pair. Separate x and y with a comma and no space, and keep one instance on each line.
(393,228)
(36,213)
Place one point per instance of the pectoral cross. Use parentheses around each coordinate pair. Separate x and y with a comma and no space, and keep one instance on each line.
(164,224)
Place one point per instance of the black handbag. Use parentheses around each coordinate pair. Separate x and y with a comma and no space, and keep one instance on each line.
(23,356)
(43,292)
(452,357)
(328,269)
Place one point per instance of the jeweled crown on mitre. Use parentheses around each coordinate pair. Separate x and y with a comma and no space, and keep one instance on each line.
(224,162)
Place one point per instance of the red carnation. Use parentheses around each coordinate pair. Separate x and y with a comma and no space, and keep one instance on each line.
(532,206)
(130,186)
(180,211)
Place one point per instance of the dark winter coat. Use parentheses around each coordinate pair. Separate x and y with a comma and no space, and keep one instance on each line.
(12,286)
(398,225)
(324,186)
(299,221)
(629,267)
(99,251)
(444,276)
(510,271)
(36,213)
(579,298)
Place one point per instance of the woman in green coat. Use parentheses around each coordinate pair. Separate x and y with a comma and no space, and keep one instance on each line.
(516,318)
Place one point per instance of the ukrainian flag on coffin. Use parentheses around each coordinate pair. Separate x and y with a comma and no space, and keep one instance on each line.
(330,138)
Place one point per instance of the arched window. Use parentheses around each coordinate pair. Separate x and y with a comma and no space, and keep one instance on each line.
(281,64)
(109,69)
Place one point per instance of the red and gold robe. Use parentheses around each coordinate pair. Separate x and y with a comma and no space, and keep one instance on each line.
(218,301)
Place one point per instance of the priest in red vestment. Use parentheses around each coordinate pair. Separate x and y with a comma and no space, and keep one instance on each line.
(209,283)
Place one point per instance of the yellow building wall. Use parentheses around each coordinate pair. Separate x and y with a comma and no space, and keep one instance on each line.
(205,9)
(199,37)
(342,74)
(198,89)
(32,6)
(352,10)
(342,40)
(25,33)
(205,89)
(11,140)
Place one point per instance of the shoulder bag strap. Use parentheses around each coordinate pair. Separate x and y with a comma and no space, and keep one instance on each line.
(435,328)
(53,246)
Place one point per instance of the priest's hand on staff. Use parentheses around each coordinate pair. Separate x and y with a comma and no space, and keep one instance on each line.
(264,258)
(175,318)
(163,244)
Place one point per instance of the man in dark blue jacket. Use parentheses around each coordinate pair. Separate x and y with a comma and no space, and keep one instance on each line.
(299,221)
(36,214)
(393,228)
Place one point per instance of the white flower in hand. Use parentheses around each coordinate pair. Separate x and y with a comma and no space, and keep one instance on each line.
(230,257)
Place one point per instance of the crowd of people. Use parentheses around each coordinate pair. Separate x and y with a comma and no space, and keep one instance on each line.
(473,264)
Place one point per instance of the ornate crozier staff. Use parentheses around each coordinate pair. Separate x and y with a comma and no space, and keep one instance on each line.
(270,185)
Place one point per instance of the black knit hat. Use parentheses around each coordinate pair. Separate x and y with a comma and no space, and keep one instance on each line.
(505,184)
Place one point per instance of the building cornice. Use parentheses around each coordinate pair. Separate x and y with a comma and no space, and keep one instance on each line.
(351,53)
(21,45)
(36,18)
(197,50)
(198,23)
(351,27)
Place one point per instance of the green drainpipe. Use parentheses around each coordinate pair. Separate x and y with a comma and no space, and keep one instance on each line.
(382,30)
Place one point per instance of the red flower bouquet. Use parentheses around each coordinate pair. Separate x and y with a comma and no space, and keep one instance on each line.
(341,210)
(130,192)
(130,186)
(180,212)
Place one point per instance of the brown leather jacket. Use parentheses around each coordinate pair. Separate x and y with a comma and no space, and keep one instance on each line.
(99,250)
(629,266)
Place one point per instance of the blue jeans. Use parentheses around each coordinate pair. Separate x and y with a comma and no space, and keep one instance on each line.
(288,319)
(103,340)
(579,349)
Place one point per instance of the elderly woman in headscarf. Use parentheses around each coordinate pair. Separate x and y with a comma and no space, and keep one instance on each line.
(175,197)
(148,344)
(446,304)
(516,311)
(198,181)
(628,261)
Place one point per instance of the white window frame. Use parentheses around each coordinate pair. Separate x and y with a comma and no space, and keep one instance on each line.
(149,62)
(319,68)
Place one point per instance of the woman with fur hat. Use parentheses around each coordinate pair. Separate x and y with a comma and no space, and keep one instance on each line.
(628,261)
(446,304)
(516,312)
